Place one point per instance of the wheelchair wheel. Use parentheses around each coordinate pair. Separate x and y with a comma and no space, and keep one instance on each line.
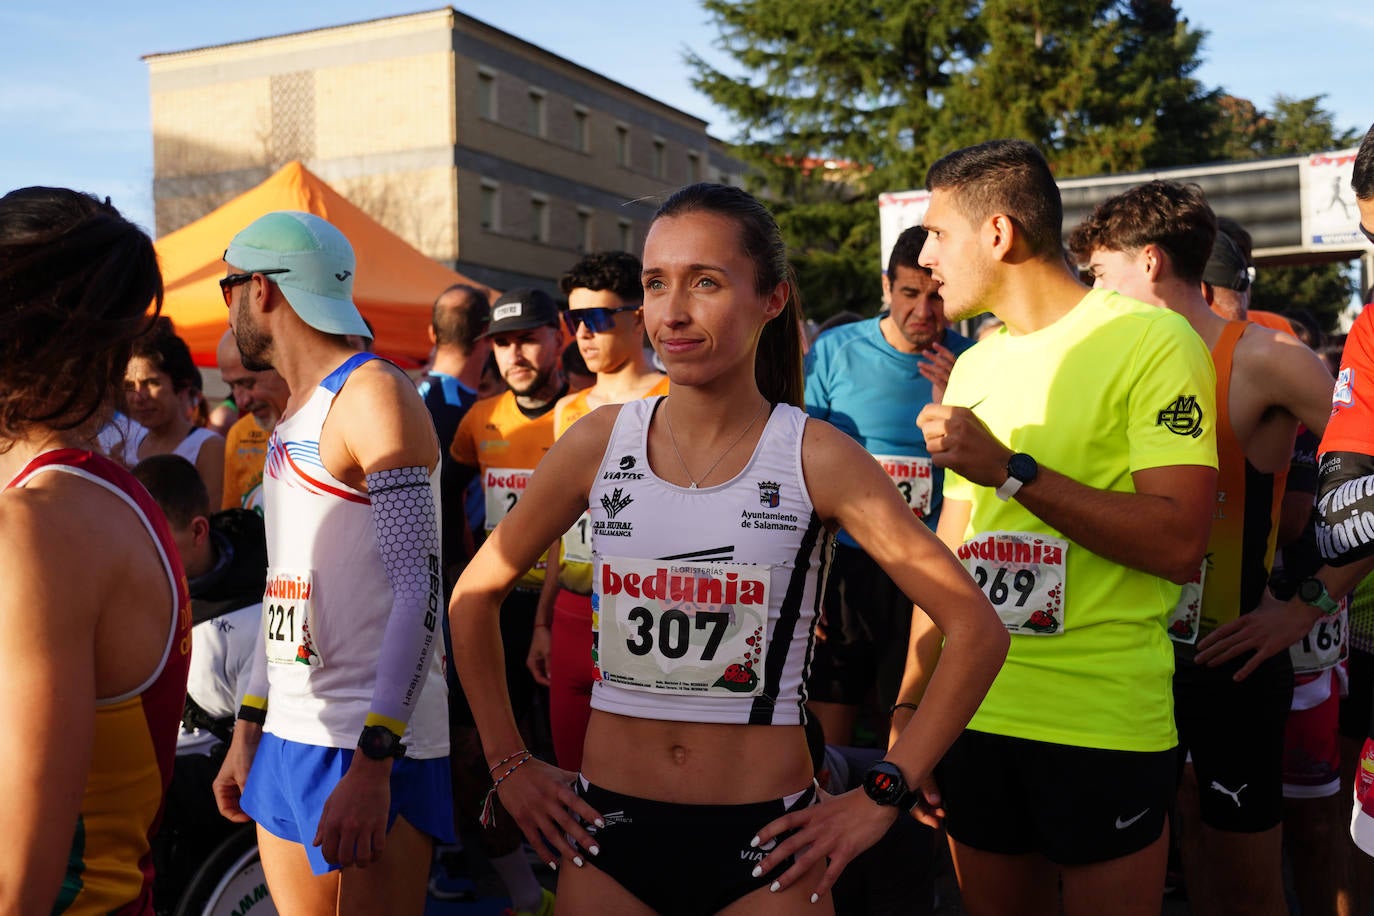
(230,882)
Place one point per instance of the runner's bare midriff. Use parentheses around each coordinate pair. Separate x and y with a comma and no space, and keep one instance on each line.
(695,762)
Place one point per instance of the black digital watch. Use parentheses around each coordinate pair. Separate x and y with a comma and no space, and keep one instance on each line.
(1021,470)
(377,742)
(885,784)
(1313,591)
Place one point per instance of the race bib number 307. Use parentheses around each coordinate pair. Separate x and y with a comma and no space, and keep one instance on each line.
(1023,576)
(287,618)
(684,628)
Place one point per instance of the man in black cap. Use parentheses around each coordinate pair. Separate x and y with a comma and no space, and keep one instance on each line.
(1228,276)
(502,438)
(1226,279)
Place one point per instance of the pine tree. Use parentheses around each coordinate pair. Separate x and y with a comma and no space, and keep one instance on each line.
(841,100)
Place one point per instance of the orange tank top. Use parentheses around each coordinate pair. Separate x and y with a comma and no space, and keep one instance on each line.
(1245,518)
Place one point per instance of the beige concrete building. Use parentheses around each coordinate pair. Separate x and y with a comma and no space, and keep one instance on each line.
(484,151)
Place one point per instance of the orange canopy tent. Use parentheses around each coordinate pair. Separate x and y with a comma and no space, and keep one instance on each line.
(394,288)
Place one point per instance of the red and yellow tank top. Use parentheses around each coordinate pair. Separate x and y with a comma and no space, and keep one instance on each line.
(109,866)
(1245,518)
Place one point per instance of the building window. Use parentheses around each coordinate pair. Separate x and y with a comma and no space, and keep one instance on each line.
(627,235)
(539,218)
(486,94)
(585,241)
(660,163)
(538,121)
(491,206)
(582,138)
(622,145)
(693,168)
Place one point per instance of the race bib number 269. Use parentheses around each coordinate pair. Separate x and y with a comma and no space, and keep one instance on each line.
(667,626)
(1023,575)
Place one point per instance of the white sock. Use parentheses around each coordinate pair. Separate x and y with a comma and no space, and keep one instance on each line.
(514,870)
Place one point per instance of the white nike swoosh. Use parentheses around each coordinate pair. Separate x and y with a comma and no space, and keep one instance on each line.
(1122,825)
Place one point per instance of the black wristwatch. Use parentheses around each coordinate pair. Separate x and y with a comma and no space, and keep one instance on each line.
(1021,470)
(377,742)
(1313,591)
(886,785)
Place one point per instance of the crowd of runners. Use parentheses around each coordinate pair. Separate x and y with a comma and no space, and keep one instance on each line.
(1089,586)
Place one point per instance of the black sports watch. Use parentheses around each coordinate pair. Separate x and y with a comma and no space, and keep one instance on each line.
(1313,591)
(885,784)
(377,742)
(1021,470)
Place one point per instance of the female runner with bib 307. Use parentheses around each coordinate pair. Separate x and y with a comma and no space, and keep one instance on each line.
(711,514)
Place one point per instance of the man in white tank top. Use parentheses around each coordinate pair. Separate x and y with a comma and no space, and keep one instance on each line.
(346,767)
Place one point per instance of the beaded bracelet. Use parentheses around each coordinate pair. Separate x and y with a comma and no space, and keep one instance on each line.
(491,770)
(488,804)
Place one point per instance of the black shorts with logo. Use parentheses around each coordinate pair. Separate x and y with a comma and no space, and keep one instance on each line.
(1073,805)
(864,627)
(683,860)
(1234,732)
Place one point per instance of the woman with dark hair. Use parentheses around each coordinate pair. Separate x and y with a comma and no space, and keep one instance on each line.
(161,390)
(94,617)
(711,511)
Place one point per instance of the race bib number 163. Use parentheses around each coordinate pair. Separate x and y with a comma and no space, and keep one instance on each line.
(1023,576)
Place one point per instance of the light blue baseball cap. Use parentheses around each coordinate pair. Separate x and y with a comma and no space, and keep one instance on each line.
(316,263)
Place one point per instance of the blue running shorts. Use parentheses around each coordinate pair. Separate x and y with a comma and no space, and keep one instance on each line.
(290,782)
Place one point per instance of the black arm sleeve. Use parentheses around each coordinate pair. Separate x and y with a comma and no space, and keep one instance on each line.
(1345,507)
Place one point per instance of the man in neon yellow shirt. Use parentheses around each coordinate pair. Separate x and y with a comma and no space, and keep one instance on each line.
(1082,463)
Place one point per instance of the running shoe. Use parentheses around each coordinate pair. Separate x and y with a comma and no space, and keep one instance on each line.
(545,907)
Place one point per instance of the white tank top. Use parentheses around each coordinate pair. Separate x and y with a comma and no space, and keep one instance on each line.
(704,600)
(188,448)
(328,597)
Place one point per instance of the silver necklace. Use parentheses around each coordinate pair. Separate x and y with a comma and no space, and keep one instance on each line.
(673,438)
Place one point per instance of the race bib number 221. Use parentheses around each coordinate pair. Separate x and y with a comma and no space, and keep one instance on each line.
(287,617)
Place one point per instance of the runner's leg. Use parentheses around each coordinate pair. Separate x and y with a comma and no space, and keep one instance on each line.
(1131,885)
(994,884)
(295,888)
(394,886)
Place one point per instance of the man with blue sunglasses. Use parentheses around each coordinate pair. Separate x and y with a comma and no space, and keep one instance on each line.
(605,295)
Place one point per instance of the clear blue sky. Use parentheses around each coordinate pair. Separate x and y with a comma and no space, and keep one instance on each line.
(74,93)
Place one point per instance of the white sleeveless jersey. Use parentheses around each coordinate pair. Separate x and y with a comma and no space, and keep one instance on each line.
(705,600)
(328,597)
(188,448)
